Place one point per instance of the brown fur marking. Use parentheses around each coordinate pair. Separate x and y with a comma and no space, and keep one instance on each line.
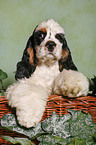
(65,54)
(43,30)
(64,57)
(31,55)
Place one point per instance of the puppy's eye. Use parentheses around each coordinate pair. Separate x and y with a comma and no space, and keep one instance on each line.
(41,35)
(60,37)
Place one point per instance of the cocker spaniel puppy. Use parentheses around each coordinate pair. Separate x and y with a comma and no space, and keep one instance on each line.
(46,68)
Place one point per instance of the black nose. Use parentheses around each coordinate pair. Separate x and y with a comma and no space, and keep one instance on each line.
(50,45)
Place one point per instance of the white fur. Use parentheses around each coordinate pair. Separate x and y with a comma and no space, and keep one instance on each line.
(29,96)
(51,25)
(71,83)
(42,52)
(29,100)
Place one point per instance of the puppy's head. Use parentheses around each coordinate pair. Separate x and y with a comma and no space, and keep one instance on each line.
(49,42)
(46,45)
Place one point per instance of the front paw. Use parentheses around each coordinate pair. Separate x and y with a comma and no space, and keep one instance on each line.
(29,100)
(71,83)
(30,116)
(31,108)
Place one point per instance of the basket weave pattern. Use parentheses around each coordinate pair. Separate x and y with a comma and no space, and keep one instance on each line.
(55,103)
(60,105)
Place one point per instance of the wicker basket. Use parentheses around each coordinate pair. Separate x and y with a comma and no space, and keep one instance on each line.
(55,103)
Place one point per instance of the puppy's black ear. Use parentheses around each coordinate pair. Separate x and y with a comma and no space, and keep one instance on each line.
(66,61)
(27,65)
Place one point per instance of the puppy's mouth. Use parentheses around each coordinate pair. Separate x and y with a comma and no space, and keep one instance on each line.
(51,57)
(50,54)
(47,59)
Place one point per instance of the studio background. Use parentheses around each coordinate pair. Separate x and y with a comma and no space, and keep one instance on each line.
(18,18)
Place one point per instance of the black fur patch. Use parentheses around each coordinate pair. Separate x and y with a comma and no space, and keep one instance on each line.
(39,37)
(66,61)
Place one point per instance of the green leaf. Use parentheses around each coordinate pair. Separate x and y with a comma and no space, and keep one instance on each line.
(9,121)
(3,75)
(94,79)
(91,140)
(15,140)
(81,124)
(2,92)
(57,130)
(59,126)
(51,140)
(77,141)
